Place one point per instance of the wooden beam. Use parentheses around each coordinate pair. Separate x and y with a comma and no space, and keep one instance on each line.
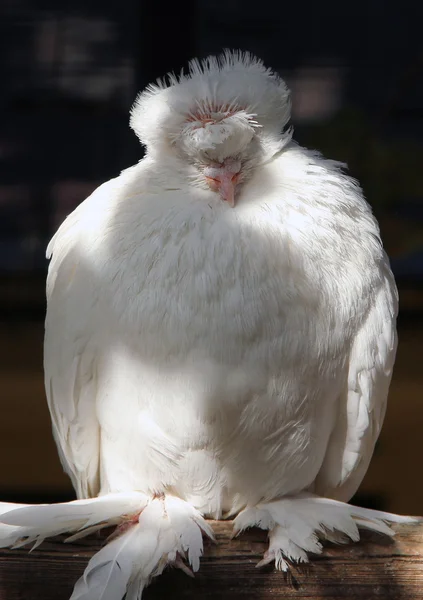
(374,568)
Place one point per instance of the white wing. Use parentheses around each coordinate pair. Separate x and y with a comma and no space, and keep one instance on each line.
(362,407)
(69,353)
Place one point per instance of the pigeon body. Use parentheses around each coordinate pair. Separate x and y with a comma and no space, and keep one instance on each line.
(220,335)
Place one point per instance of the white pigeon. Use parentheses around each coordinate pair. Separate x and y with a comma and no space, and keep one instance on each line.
(220,338)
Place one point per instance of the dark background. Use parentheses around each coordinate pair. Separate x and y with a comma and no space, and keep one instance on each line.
(70,72)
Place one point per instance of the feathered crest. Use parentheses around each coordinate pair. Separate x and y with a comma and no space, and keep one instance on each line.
(234,81)
(229,60)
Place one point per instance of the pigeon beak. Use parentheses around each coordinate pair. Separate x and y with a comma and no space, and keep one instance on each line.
(225,183)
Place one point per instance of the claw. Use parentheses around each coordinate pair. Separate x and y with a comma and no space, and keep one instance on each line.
(179,564)
(268,557)
(126,523)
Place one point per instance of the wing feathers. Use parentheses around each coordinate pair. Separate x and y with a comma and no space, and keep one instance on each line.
(362,407)
(69,351)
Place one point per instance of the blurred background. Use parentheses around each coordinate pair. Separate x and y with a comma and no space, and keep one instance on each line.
(70,72)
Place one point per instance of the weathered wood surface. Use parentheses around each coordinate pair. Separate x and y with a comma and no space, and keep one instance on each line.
(374,568)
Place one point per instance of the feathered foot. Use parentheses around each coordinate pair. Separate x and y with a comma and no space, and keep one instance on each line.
(297,525)
(150,535)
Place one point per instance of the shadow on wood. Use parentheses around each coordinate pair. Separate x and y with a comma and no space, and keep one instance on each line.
(376,567)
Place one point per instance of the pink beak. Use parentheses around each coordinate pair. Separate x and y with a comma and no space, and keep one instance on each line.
(223,180)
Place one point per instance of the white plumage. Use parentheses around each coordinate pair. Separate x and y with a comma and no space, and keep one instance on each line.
(214,358)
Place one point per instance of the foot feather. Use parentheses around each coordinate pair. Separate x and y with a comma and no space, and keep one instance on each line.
(32,524)
(167,530)
(298,524)
(151,535)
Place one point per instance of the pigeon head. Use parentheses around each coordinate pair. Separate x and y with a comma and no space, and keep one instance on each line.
(222,120)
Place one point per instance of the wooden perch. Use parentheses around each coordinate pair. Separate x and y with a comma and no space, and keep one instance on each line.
(376,567)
